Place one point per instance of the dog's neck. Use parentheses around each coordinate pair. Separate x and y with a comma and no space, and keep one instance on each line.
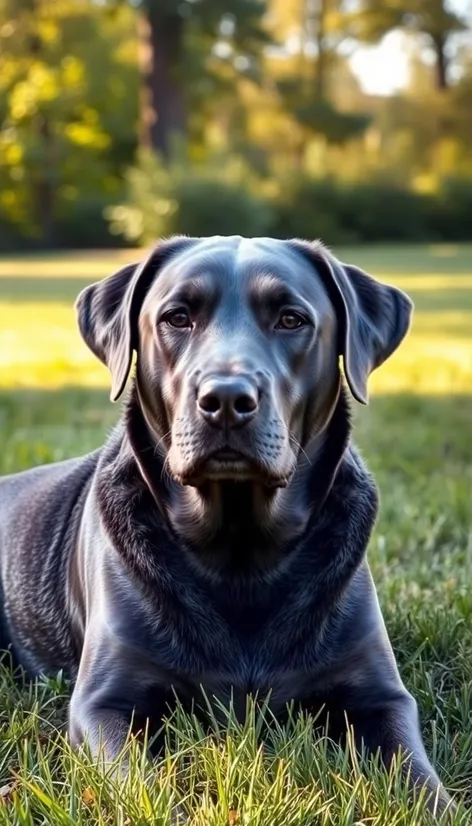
(239,525)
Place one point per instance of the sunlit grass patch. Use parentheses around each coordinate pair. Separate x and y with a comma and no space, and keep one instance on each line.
(40,345)
(255,772)
(92,265)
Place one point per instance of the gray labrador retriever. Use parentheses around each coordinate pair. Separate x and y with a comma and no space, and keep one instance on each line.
(218,539)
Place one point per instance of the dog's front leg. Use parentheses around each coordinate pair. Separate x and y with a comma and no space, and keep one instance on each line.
(106,733)
(393,726)
(104,730)
(112,684)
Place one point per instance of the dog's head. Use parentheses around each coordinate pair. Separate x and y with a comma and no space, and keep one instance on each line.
(238,344)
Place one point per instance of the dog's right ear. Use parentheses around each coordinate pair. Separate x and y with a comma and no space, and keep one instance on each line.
(108,311)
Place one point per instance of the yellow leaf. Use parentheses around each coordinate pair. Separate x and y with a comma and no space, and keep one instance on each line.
(14,154)
(84,135)
(49,31)
(73,72)
(88,796)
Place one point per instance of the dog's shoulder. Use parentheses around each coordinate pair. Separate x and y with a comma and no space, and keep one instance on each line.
(45,486)
(40,517)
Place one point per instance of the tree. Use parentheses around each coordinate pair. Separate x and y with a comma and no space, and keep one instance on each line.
(167,29)
(317,26)
(315,29)
(31,91)
(432,18)
(67,112)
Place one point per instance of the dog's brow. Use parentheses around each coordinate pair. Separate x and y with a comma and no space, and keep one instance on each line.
(193,290)
(269,287)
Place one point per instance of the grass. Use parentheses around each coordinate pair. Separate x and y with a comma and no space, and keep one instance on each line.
(416,436)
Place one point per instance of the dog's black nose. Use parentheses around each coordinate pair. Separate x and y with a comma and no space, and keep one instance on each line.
(228,401)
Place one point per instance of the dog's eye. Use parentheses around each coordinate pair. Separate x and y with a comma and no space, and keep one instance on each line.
(178,318)
(290,321)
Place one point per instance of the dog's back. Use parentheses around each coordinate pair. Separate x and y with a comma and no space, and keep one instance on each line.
(39,520)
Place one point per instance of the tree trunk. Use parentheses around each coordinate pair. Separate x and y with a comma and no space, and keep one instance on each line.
(162,102)
(44,188)
(313,32)
(439,44)
(320,23)
(42,183)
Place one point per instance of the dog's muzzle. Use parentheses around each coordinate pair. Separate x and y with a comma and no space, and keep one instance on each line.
(228,402)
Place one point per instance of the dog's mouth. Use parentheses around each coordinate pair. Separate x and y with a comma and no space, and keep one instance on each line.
(224,463)
(227,463)
(227,455)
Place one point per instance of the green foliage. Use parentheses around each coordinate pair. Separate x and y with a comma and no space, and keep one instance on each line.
(372,212)
(315,149)
(378,212)
(219,199)
(321,117)
(82,224)
(310,208)
(68,112)
(212,199)
(451,217)
(209,206)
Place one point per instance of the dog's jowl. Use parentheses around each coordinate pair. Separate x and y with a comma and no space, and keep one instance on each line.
(218,538)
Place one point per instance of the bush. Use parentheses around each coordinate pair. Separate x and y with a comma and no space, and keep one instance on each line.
(311,209)
(207,206)
(10,237)
(199,201)
(224,197)
(451,212)
(149,206)
(340,213)
(78,224)
(82,224)
(385,213)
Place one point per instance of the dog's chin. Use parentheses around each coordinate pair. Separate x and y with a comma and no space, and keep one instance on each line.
(226,467)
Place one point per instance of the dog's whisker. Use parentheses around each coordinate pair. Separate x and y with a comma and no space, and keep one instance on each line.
(159,442)
(165,472)
(295,441)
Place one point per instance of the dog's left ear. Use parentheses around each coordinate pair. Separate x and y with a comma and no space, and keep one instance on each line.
(107,312)
(374,317)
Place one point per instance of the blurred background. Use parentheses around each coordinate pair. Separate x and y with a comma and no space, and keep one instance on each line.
(122,121)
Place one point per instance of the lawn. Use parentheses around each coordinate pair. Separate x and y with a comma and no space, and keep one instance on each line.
(416,435)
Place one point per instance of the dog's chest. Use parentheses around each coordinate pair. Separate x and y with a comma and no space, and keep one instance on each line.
(270,683)
(265,646)
(232,656)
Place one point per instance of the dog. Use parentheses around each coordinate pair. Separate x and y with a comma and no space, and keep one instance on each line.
(216,543)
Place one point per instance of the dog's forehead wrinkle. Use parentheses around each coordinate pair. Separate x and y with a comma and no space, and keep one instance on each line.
(285,273)
(233,264)
(264,278)
(204,264)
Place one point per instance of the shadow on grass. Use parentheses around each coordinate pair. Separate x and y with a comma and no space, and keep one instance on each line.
(65,291)
(41,426)
(44,289)
(41,290)
(395,431)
